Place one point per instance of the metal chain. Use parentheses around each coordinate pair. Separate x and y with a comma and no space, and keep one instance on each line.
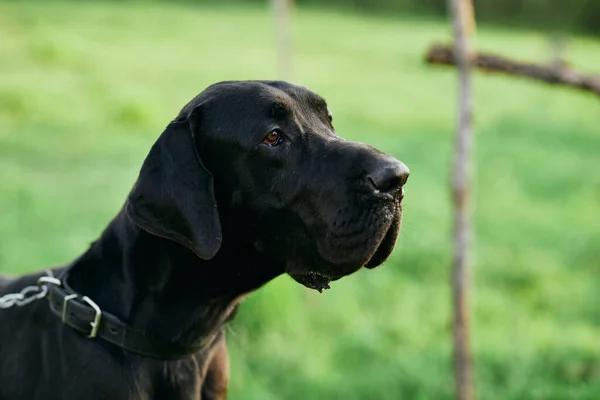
(27,295)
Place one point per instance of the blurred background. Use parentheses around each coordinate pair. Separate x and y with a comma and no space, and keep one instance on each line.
(87,86)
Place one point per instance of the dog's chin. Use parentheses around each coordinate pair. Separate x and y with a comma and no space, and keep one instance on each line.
(321,278)
(312,280)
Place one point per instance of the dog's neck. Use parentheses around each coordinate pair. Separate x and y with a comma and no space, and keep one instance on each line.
(160,286)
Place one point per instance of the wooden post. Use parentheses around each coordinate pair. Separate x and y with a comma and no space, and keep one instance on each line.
(557,48)
(282,9)
(464,27)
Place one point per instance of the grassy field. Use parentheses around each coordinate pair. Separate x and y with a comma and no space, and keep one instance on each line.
(85,89)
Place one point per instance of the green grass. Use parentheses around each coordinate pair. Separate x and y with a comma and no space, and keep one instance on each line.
(85,88)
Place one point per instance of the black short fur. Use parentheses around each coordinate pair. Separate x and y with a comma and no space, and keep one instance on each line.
(217,211)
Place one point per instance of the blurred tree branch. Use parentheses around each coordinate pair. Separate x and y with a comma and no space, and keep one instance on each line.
(563,75)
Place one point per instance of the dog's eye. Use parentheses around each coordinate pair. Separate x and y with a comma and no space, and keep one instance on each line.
(330,117)
(273,138)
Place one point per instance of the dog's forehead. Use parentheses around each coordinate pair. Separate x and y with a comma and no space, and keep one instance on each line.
(241,110)
(302,96)
(251,96)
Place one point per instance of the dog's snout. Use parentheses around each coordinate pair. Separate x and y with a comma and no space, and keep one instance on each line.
(388,176)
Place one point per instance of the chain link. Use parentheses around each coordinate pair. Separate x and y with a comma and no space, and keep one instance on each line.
(27,295)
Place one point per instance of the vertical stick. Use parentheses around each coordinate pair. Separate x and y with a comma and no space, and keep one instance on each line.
(464,25)
(557,47)
(282,9)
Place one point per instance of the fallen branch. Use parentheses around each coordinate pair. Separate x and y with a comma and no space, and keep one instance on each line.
(439,54)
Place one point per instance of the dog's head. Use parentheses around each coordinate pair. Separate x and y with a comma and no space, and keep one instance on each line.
(265,155)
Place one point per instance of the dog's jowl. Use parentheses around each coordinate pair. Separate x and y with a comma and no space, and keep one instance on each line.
(248,182)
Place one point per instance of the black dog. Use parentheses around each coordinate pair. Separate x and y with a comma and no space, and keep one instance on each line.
(250,181)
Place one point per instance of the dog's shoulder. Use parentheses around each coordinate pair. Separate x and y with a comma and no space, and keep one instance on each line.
(4,282)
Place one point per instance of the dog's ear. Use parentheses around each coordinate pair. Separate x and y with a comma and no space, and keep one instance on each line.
(174,195)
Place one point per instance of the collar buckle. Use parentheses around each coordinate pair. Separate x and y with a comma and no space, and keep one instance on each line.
(95,324)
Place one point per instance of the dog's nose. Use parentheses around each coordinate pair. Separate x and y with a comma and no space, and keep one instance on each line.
(389,175)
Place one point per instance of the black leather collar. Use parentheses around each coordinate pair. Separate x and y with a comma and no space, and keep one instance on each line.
(82,314)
